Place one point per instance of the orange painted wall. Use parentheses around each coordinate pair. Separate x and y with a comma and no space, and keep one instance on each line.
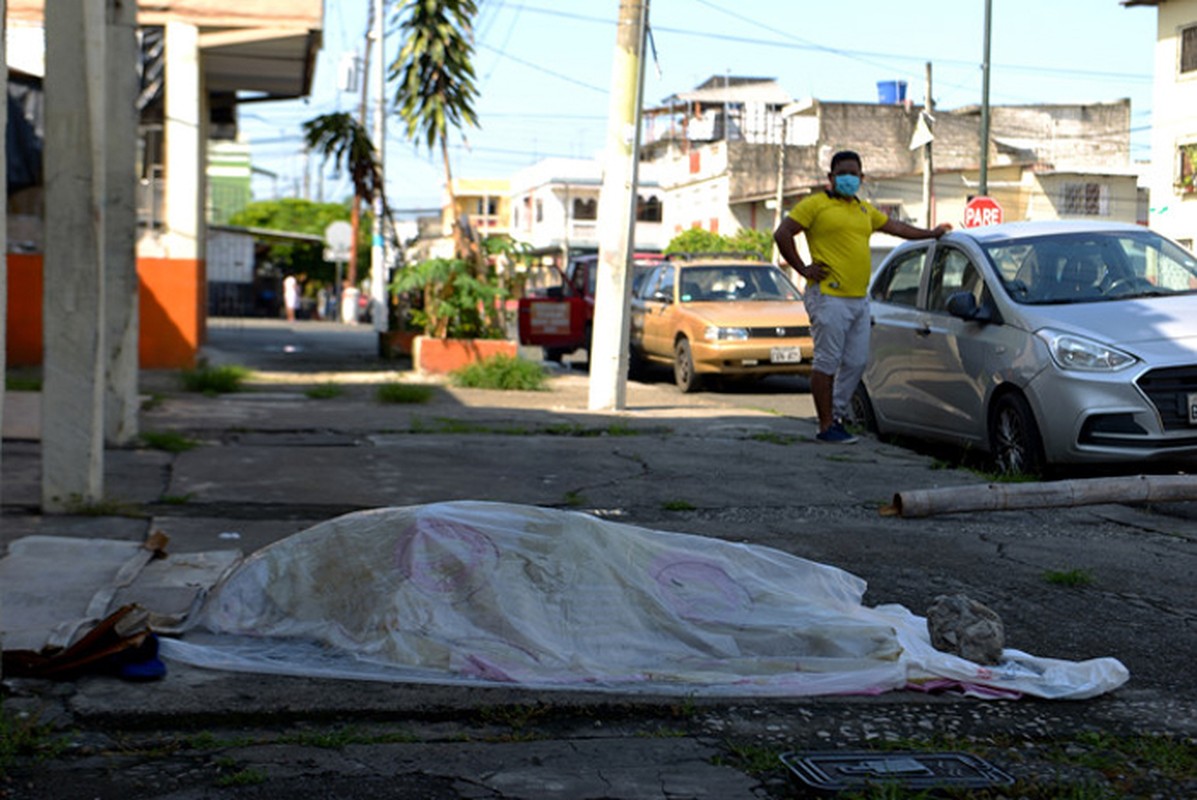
(23,333)
(173,311)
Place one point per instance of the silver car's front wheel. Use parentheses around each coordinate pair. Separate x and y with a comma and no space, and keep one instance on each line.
(862,409)
(1014,438)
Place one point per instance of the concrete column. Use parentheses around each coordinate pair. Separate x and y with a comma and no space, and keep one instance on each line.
(74,298)
(184,189)
(120,234)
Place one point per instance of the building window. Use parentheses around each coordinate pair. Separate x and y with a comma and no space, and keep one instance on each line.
(586,210)
(1187,168)
(1188,49)
(487,207)
(539,210)
(648,209)
(1086,200)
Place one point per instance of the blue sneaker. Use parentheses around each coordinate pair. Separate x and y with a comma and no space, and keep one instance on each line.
(836,435)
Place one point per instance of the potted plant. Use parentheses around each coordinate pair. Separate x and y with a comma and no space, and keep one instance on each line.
(459,315)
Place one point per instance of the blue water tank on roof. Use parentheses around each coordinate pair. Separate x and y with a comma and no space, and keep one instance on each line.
(891,91)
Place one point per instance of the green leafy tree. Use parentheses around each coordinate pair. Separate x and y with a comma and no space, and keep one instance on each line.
(745,240)
(341,138)
(436,81)
(455,300)
(297,216)
(696,240)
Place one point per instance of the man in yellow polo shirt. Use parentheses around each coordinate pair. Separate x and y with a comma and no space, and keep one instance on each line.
(838,225)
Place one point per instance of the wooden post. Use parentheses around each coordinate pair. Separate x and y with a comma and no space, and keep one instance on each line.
(1052,494)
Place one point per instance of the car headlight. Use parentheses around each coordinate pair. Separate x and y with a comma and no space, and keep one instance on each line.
(716,334)
(1070,351)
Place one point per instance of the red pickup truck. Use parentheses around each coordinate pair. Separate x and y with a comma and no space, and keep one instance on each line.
(560,318)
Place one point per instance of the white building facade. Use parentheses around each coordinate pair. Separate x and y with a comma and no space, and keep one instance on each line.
(1173,176)
(555,204)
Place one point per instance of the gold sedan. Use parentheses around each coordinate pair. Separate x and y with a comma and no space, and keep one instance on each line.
(718,316)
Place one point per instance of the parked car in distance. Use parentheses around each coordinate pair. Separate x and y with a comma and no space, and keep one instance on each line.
(561,318)
(711,315)
(1040,343)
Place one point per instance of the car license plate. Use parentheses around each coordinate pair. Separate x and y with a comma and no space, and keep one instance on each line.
(793,355)
(1193,408)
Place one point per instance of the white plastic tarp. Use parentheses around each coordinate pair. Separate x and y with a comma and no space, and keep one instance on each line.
(489,593)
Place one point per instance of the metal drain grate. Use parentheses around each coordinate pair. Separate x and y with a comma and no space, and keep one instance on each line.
(841,771)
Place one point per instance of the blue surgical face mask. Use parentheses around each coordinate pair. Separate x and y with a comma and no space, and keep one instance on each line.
(847,185)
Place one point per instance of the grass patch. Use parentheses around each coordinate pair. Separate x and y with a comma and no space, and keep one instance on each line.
(1121,766)
(345,736)
(77,506)
(211,380)
(176,499)
(461,426)
(244,777)
(169,441)
(753,759)
(501,372)
(517,717)
(574,499)
(206,740)
(1069,577)
(15,383)
(775,438)
(155,400)
(678,505)
(403,394)
(25,738)
(614,429)
(1005,477)
(324,391)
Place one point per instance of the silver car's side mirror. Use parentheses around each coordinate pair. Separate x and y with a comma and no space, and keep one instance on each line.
(964,306)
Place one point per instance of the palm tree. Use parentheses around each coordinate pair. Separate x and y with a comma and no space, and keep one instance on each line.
(340,137)
(435,77)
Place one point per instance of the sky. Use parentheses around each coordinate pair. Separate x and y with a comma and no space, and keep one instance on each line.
(544,73)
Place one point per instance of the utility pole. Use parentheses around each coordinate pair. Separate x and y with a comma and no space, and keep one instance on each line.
(349,294)
(928,166)
(378,266)
(781,181)
(983,186)
(617,218)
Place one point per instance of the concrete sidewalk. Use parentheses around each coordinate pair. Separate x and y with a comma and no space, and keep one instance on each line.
(272,461)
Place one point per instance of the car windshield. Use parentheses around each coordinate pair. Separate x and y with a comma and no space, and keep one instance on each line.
(1092,267)
(640,268)
(724,283)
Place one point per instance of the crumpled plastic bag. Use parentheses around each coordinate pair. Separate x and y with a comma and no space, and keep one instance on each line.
(496,593)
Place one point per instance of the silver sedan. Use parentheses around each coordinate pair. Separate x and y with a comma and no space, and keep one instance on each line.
(1039,343)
